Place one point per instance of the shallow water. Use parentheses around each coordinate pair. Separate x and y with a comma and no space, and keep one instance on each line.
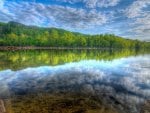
(75,81)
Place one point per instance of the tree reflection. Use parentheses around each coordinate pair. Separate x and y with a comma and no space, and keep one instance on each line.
(33,58)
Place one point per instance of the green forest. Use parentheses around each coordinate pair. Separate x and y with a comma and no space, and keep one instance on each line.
(16,34)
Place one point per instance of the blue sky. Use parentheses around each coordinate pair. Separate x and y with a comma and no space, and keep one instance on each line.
(127,18)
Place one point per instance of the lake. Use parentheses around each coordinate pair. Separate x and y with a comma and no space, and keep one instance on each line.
(75,81)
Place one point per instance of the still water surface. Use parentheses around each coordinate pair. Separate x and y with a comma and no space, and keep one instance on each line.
(75,81)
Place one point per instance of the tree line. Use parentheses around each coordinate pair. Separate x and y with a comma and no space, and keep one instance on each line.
(16,34)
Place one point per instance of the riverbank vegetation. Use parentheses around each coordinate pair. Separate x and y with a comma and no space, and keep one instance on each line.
(16,34)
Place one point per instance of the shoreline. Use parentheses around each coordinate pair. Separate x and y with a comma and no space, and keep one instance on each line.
(15,48)
(51,48)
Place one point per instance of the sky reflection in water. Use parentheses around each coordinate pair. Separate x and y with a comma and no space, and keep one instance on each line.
(126,79)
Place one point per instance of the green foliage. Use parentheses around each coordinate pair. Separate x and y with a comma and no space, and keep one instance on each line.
(16,34)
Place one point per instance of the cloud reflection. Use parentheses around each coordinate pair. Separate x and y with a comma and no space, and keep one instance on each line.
(126,80)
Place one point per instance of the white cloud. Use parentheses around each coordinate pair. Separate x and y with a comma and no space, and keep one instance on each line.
(136,8)
(1,4)
(140,18)
(107,3)
(143,25)
(93,3)
(54,15)
(137,12)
